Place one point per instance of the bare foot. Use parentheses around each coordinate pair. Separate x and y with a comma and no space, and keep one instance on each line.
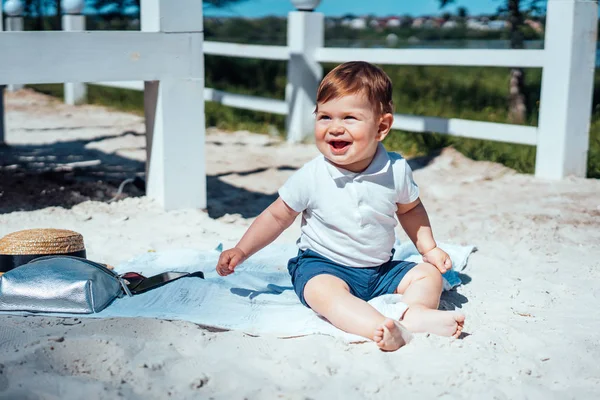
(391,335)
(443,323)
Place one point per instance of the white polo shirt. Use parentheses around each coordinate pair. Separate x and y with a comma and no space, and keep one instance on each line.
(350,217)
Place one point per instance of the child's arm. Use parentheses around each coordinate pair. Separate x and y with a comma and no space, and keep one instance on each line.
(266,228)
(413,218)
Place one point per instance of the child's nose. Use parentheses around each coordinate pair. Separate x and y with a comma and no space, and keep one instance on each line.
(336,129)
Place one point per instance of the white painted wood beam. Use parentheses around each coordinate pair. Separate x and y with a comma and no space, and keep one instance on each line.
(446,57)
(247,50)
(567,87)
(74,93)
(58,57)
(174,108)
(466,128)
(304,72)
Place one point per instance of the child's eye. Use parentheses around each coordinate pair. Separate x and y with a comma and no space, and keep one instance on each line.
(324,117)
(350,117)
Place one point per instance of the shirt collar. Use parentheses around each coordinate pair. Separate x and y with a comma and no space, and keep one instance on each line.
(379,165)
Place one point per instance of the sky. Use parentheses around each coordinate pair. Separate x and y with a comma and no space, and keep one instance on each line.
(259,8)
(333,8)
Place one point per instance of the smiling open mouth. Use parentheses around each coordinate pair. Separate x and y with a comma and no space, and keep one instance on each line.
(338,145)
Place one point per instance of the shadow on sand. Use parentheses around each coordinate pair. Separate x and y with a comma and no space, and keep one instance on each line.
(63,174)
(66,173)
(451,300)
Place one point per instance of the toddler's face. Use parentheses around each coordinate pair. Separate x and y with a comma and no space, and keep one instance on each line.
(347,131)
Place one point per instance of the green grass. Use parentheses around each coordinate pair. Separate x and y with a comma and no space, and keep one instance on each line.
(219,116)
(120,99)
(232,119)
(452,92)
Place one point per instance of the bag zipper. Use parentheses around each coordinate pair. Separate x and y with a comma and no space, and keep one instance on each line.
(93,264)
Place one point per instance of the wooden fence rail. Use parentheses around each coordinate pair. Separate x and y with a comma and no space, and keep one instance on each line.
(165,60)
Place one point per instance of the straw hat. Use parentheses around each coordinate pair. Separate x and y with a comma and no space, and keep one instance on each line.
(20,247)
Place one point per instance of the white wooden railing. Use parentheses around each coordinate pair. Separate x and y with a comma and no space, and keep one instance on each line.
(167,55)
(568,62)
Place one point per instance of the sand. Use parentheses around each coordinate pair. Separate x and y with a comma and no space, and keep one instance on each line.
(531,290)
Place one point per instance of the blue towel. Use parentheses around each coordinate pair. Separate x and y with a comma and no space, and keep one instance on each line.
(257,299)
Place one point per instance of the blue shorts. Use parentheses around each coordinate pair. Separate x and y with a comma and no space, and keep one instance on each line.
(364,283)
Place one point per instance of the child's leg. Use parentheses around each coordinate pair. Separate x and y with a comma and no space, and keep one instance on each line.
(330,297)
(421,289)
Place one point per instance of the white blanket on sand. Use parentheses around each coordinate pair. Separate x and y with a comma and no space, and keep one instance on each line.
(257,299)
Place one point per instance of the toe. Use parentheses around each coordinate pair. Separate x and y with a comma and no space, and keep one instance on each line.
(389,324)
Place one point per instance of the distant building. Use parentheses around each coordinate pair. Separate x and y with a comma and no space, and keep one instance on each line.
(393,22)
(449,25)
(475,24)
(431,23)
(535,25)
(497,25)
(375,23)
(358,23)
(346,21)
(418,22)
(406,20)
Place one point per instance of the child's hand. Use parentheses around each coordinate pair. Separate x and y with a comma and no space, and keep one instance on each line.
(230,259)
(438,258)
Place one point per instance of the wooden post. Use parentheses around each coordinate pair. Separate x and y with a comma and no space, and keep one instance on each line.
(14,24)
(305,35)
(2,142)
(73,21)
(1,92)
(174,107)
(567,85)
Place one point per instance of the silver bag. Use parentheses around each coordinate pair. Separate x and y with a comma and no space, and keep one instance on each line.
(61,284)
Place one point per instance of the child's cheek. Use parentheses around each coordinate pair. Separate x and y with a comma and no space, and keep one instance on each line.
(322,124)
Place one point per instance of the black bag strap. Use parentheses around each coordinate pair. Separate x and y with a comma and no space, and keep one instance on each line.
(137,283)
(131,282)
(9,262)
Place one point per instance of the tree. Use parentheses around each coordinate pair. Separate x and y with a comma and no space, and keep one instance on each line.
(115,12)
(33,8)
(58,5)
(221,3)
(122,5)
(513,9)
(114,7)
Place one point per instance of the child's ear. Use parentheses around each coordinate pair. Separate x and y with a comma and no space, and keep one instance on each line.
(385,126)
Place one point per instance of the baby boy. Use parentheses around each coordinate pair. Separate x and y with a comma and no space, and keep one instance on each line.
(351,198)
